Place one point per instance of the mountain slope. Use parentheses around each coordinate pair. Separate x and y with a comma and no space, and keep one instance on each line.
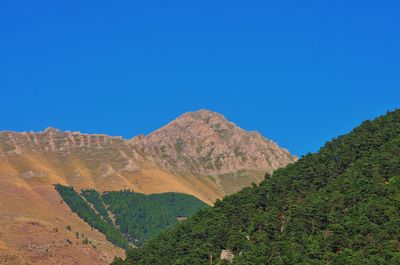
(200,153)
(31,163)
(338,206)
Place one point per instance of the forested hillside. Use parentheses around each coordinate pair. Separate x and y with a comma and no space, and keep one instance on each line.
(79,206)
(338,206)
(181,205)
(138,217)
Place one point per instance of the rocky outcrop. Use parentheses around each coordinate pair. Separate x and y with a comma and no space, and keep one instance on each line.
(53,140)
(227,255)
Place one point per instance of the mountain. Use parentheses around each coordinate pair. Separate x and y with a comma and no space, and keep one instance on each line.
(205,143)
(340,205)
(200,154)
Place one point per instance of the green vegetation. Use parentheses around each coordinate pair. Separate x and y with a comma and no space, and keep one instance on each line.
(179,204)
(141,217)
(94,198)
(338,206)
(138,217)
(79,206)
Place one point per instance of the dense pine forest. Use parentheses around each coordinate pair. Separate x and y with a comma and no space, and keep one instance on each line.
(79,206)
(138,217)
(141,217)
(181,205)
(338,206)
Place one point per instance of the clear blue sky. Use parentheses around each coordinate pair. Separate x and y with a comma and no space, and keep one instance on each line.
(300,72)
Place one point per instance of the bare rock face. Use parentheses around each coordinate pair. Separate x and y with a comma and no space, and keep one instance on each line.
(205,143)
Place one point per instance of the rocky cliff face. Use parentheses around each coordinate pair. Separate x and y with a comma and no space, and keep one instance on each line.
(200,153)
(205,143)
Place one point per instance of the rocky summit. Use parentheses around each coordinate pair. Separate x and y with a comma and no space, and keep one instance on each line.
(205,143)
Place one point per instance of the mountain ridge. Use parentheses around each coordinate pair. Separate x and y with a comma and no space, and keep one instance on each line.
(31,163)
(199,143)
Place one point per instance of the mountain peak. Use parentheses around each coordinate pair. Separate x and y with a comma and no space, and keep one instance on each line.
(199,124)
(207,143)
(202,114)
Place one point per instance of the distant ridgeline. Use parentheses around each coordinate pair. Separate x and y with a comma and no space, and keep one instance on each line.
(137,217)
(338,206)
